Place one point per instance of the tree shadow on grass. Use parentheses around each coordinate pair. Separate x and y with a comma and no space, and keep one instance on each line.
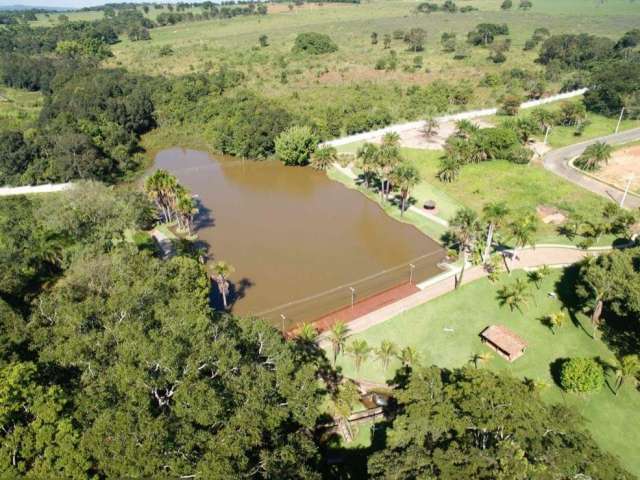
(351,463)
(555,369)
(566,290)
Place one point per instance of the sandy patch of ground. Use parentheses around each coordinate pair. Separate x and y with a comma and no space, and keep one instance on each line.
(416,138)
(623,164)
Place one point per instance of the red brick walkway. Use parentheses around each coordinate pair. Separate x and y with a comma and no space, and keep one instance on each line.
(365,306)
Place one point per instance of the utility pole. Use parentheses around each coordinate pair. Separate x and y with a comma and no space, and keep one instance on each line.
(626,190)
(546,134)
(619,119)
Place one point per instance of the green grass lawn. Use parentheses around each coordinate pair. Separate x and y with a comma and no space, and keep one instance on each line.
(445,333)
(522,187)
(18,108)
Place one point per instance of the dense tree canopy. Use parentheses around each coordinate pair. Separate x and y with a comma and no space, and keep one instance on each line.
(471,423)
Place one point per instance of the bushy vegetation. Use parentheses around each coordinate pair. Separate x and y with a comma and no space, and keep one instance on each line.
(582,375)
(314,43)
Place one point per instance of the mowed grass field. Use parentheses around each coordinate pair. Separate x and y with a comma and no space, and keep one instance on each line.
(521,187)
(446,331)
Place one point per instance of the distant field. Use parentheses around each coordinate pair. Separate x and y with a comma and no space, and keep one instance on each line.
(303,81)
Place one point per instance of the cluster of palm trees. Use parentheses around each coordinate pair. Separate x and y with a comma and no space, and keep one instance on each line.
(174,202)
(386,164)
(469,145)
(469,231)
(518,293)
(360,351)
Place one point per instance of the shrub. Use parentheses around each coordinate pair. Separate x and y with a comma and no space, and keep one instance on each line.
(314,43)
(581,375)
(295,145)
(511,104)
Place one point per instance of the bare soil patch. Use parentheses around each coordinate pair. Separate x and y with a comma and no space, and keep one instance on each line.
(416,138)
(624,164)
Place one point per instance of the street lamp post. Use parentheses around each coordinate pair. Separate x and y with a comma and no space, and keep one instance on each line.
(546,134)
(626,190)
(412,268)
(283,320)
(619,119)
(353,296)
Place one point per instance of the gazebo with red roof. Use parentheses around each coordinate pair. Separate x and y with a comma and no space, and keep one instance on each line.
(506,343)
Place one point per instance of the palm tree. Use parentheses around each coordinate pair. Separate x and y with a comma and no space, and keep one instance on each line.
(386,351)
(387,159)
(431,126)
(449,168)
(324,157)
(545,118)
(594,156)
(522,231)
(465,227)
(367,158)
(480,358)
(308,333)
(338,335)
(628,368)
(535,277)
(465,129)
(409,356)
(359,350)
(186,210)
(555,321)
(160,188)
(405,176)
(513,295)
(494,214)
(221,271)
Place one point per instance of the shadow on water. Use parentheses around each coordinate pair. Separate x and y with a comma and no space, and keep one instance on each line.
(237,291)
(204,217)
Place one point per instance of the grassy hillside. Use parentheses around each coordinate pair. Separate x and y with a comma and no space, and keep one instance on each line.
(340,76)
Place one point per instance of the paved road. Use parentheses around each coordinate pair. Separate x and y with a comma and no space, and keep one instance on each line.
(49,188)
(557,161)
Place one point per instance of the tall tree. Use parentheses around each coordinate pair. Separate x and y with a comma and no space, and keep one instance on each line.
(359,350)
(405,176)
(386,352)
(465,227)
(338,334)
(522,232)
(220,272)
(494,215)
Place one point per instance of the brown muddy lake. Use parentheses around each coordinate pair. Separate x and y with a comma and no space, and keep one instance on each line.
(302,245)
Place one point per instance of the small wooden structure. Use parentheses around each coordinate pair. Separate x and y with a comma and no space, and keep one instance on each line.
(506,343)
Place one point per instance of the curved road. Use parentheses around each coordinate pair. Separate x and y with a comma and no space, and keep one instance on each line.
(557,161)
